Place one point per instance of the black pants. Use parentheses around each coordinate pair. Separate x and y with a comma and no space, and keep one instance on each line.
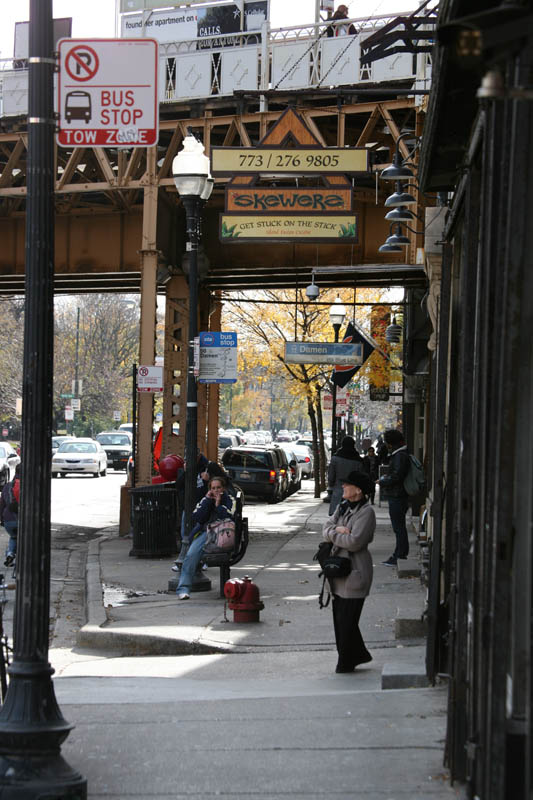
(398,507)
(350,645)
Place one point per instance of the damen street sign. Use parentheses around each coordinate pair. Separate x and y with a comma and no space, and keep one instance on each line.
(324,353)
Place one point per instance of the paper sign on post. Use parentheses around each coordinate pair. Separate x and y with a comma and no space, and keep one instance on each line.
(149,379)
(218,357)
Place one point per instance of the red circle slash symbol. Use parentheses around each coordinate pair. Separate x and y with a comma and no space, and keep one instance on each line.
(143,371)
(82,63)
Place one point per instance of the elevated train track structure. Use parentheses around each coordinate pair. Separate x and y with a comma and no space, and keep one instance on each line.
(120,225)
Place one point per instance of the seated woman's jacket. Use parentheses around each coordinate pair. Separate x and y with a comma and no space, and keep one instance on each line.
(360,519)
(207,511)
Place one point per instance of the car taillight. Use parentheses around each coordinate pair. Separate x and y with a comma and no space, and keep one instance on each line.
(307,459)
(282,471)
(272,476)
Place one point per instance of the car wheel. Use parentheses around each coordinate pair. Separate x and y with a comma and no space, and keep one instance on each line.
(97,473)
(298,486)
(4,477)
(104,472)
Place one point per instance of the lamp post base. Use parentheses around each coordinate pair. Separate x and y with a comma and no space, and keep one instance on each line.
(35,777)
(32,730)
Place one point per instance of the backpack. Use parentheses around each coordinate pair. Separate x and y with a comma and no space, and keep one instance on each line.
(13,495)
(415,480)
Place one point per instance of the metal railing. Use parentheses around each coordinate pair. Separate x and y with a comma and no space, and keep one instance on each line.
(291,58)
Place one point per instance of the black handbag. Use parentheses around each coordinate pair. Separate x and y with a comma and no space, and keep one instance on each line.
(336,567)
(331,567)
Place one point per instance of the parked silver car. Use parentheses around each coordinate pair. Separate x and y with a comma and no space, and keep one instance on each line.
(83,456)
(304,455)
(8,461)
(58,440)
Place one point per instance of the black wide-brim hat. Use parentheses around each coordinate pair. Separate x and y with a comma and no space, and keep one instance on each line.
(362,480)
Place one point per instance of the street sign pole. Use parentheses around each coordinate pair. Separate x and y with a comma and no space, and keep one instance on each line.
(32,727)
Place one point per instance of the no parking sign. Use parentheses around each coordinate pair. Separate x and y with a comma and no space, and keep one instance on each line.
(107,92)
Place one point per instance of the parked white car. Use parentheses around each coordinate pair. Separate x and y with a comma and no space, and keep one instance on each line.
(83,456)
(8,461)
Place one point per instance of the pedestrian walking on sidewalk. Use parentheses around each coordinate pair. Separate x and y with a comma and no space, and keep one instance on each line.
(218,504)
(371,463)
(345,460)
(392,490)
(9,515)
(351,529)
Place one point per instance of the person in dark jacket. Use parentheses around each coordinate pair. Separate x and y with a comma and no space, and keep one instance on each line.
(345,460)
(218,504)
(9,514)
(392,489)
(201,489)
(371,465)
(382,451)
(341,30)
(351,529)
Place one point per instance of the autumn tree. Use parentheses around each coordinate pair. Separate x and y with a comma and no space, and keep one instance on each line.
(101,348)
(267,320)
(11,348)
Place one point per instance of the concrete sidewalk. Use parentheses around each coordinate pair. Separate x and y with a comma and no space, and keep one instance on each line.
(131,613)
(251,711)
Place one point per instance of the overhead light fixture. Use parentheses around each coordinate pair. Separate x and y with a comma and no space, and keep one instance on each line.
(390,248)
(393,333)
(400,214)
(398,170)
(399,198)
(312,290)
(395,240)
(337,313)
(398,238)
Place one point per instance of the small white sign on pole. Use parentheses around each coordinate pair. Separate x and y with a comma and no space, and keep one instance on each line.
(75,404)
(149,379)
(69,413)
(116,416)
(107,93)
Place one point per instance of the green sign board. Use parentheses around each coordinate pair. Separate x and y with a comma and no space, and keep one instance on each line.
(67,395)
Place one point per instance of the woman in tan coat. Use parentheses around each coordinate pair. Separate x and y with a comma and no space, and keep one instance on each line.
(351,529)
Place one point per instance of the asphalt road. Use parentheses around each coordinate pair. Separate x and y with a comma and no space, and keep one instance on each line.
(86,501)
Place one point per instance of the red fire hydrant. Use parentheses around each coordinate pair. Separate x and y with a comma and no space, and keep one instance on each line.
(243,596)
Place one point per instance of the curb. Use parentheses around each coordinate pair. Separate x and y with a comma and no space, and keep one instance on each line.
(95,635)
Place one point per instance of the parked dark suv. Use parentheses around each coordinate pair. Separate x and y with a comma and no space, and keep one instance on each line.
(259,471)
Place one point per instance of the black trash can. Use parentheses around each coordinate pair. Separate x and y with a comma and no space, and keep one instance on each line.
(154,518)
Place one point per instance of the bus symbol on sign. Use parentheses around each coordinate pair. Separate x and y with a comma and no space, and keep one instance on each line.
(78,106)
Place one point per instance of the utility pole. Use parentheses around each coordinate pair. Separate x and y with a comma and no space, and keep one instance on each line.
(32,727)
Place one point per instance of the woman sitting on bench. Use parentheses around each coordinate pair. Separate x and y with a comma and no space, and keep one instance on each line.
(217,505)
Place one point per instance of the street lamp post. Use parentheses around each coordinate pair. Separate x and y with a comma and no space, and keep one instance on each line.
(32,727)
(337,313)
(193,181)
